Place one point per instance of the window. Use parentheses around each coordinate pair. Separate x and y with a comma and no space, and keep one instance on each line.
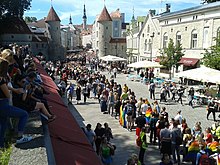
(107,28)
(218,36)
(166,22)
(171,29)
(36,45)
(97,44)
(148,28)
(186,28)
(205,37)
(149,45)
(143,35)
(145,45)
(194,39)
(165,40)
(42,45)
(116,28)
(12,36)
(195,17)
(179,19)
(97,34)
(178,38)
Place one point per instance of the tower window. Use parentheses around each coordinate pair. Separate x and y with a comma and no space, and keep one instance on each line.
(12,36)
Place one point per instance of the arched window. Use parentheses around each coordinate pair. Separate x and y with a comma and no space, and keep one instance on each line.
(194,39)
(178,38)
(165,40)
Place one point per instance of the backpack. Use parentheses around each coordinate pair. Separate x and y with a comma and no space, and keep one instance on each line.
(138,141)
(204,159)
(179,139)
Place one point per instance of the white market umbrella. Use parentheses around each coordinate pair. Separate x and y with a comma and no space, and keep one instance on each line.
(203,74)
(112,58)
(145,64)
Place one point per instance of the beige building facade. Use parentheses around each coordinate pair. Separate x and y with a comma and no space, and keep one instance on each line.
(195,28)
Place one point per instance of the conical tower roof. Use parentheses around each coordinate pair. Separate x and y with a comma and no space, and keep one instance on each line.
(52,15)
(104,16)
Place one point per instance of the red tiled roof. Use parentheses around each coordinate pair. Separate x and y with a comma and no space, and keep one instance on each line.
(14,25)
(40,23)
(188,61)
(52,16)
(116,14)
(104,16)
(118,40)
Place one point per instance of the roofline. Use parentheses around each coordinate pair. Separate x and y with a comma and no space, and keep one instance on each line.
(191,10)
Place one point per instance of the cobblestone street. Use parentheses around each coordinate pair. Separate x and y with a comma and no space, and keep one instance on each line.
(125,140)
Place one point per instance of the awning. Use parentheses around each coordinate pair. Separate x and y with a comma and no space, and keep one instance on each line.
(157,59)
(188,61)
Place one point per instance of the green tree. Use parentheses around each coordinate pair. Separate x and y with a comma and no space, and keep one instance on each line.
(209,1)
(28,19)
(14,7)
(171,55)
(212,57)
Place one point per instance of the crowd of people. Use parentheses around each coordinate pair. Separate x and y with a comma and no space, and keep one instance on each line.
(21,82)
(21,92)
(172,135)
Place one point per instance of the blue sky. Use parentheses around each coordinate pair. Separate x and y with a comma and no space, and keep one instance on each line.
(64,8)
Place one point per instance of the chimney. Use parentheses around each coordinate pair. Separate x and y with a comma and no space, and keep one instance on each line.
(168,8)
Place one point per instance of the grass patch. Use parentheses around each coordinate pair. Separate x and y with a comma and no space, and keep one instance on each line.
(5,155)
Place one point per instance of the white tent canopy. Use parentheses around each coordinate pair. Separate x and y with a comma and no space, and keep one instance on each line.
(112,58)
(145,64)
(203,74)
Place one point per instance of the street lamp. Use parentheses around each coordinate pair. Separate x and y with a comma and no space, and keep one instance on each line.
(151,36)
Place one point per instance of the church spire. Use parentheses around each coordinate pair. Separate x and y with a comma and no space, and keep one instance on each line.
(84,12)
(133,18)
(84,18)
(70,20)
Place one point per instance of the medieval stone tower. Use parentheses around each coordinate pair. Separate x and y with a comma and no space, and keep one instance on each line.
(105,33)
(84,18)
(55,49)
